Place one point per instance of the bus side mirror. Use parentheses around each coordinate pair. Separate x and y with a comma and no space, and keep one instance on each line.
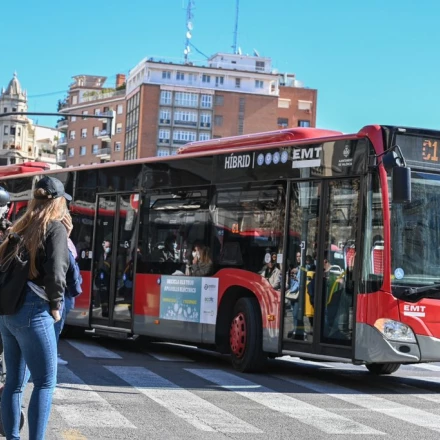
(401,180)
(401,176)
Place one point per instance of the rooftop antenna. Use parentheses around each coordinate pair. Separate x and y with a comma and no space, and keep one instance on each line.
(189,28)
(235,45)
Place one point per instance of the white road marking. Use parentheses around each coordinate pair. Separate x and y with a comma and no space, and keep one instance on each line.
(81,406)
(370,402)
(198,412)
(314,416)
(91,350)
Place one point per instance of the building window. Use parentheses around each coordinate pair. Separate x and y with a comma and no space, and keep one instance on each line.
(164,136)
(6,129)
(165,116)
(219,99)
(258,84)
(187,99)
(218,120)
(182,137)
(162,152)
(283,103)
(204,136)
(305,105)
(205,120)
(219,80)
(259,65)
(95,149)
(72,134)
(119,109)
(283,122)
(166,74)
(85,112)
(119,127)
(206,101)
(71,152)
(303,123)
(14,109)
(74,100)
(73,119)
(237,83)
(18,131)
(5,110)
(185,117)
(83,132)
(97,111)
(180,76)
(95,131)
(206,78)
(165,97)
(117,146)
(82,151)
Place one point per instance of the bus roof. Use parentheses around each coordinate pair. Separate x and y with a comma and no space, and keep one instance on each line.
(26,167)
(288,134)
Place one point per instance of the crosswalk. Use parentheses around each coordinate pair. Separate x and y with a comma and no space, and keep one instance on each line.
(138,400)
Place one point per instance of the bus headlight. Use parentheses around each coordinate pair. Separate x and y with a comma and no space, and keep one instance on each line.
(395,330)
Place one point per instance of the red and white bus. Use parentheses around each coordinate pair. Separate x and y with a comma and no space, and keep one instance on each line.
(315,200)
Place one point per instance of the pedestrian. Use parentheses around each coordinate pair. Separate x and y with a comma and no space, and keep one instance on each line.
(73,281)
(28,334)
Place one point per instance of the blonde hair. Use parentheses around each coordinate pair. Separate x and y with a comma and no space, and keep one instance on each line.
(32,226)
(204,253)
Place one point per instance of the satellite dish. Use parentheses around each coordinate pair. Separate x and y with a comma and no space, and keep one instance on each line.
(189,26)
(188,49)
(256,53)
(185,52)
(188,35)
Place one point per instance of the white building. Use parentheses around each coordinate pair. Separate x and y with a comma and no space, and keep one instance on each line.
(20,139)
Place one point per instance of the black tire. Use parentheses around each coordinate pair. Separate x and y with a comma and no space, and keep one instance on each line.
(246,336)
(383,368)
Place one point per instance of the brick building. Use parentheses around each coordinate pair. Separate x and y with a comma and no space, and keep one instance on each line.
(164,105)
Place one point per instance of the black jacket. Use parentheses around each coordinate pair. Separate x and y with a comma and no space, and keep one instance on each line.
(52,263)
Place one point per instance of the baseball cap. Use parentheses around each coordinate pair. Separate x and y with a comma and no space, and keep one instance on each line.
(53,187)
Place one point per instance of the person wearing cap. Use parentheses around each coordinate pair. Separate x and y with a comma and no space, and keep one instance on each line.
(28,334)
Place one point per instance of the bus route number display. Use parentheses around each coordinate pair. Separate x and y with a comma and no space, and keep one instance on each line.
(419,151)
(429,150)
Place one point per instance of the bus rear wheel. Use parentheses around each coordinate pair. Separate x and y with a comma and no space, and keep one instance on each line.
(383,368)
(245,336)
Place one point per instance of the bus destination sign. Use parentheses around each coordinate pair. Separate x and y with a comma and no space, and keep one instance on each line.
(419,151)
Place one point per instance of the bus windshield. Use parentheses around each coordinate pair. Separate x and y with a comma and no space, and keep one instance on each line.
(415,235)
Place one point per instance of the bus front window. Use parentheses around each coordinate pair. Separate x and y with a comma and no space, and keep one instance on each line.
(415,235)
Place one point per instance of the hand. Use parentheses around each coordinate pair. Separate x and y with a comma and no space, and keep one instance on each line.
(67,222)
(195,261)
(56,315)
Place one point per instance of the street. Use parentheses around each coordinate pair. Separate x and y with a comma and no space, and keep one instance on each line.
(129,390)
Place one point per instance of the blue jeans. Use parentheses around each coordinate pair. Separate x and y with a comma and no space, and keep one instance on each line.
(29,339)
(69,303)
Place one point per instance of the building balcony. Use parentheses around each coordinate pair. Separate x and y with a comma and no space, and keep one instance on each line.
(62,143)
(62,125)
(161,122)
(104,135)
(103,153)
(185,123)
(47,157)
(205,125)
(62,158)
(180,142)
(103,116)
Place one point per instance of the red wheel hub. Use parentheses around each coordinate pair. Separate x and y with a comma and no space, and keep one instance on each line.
(237,335)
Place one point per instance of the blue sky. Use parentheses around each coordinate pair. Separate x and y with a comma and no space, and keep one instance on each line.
(374,61)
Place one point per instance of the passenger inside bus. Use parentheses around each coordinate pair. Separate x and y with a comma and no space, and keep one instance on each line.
(271,271)
(201,262)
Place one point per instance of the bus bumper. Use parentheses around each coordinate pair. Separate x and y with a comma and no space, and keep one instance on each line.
(429,348)
(372,347)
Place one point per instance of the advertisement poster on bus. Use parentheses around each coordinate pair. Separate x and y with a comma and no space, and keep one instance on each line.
(189,299)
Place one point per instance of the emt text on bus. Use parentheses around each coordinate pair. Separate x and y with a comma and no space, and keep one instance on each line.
(301,242)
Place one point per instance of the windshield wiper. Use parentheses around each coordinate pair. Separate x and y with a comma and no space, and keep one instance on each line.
(413,294)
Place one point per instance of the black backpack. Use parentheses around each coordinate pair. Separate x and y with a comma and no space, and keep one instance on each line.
(13,276)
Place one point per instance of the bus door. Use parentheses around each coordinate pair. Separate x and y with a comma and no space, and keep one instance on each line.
(114,261)
(322,248)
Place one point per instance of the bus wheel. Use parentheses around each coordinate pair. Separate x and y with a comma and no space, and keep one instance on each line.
(382,368)
(245,336)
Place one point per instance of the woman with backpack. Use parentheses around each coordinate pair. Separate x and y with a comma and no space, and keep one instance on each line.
(27,316)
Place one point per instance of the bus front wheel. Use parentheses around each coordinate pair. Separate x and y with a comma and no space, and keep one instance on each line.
(245,336)
(382,368)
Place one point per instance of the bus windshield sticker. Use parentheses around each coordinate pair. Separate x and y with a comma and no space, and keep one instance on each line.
(399,273)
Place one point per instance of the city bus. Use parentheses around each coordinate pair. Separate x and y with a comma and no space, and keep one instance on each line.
(352,218)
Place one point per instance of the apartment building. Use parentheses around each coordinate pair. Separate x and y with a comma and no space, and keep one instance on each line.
(169,105)
(20,139)
(87,140)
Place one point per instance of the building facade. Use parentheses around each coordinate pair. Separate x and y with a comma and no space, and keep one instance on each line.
(20,139)
(165,105)
(88,140)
